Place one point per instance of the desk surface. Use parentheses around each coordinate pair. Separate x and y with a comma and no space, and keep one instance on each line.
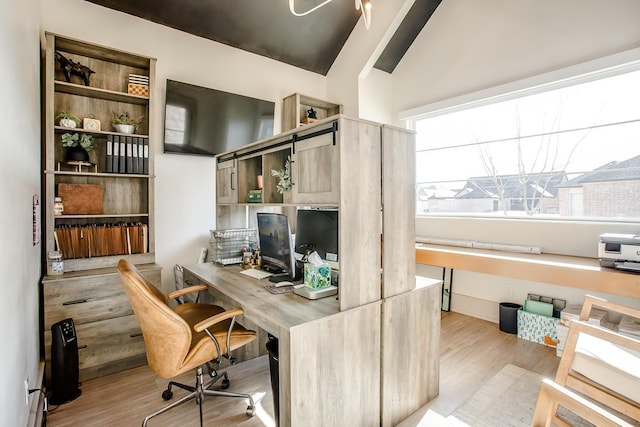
(575,272)
(269,311)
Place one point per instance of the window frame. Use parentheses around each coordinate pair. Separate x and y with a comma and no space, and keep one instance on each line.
(575,237)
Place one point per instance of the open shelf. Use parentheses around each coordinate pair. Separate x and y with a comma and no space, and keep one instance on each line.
(97,93)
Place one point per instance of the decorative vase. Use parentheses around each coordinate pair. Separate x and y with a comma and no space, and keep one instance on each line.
(77,154)
(125,128)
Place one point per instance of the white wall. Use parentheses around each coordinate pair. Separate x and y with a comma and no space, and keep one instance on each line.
(184,185)
(19,181)
(469,46)
(365,92)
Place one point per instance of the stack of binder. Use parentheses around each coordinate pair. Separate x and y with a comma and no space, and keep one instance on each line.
(86,241)
(127,154)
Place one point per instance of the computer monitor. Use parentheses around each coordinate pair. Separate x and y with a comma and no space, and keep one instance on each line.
(276,245)
(317,230)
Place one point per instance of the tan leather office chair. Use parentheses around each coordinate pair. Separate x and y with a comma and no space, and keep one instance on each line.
(186,337)
(599,364)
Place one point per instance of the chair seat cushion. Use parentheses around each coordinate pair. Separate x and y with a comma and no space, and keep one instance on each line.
(616,368)
(195,313)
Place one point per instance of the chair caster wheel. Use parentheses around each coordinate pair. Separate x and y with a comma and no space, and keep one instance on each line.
(251,411)
(225,384)
(167,394)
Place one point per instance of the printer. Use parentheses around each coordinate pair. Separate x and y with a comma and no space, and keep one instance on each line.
(620,251)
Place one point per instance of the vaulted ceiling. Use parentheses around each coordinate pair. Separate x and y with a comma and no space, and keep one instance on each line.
(267,27)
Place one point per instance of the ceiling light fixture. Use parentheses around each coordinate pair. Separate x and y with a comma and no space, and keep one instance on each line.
(365,5)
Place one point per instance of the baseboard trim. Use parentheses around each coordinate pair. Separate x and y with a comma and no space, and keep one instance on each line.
(36,409)
(476,307)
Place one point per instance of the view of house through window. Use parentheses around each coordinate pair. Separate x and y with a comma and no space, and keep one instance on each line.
(568,152)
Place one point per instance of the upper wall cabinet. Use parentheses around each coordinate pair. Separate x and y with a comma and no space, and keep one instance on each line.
(315,170)
(107,192)
(227,182)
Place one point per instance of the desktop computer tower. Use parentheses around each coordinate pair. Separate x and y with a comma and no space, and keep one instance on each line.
(64,363)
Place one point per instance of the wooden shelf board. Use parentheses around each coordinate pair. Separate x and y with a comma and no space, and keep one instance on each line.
(574,272)
(126,215)
(60,129)
(82,48)
(100,174)
(94,92)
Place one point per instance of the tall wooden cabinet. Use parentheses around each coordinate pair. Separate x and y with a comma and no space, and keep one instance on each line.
(110,214)
(367,171)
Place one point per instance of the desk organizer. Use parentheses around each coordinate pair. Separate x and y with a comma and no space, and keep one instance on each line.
(225,246)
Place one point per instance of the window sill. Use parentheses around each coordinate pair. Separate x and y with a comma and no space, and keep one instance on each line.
(575,272)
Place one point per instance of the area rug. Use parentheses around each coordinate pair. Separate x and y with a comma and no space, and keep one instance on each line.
(506,400)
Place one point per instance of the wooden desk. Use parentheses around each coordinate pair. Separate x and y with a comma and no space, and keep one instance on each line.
(271,312)
(329,361)
(574,272)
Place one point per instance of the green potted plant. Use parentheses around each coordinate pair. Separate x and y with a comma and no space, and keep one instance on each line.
(124,123)
(284,176)
(67,120)
(78,146)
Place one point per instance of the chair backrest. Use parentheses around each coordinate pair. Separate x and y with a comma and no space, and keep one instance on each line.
(167,337)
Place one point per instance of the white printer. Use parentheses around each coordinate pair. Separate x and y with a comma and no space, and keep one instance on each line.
(621,251)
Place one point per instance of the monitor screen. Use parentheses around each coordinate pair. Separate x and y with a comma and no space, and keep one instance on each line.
(317,230)
(274,235)
(204,121)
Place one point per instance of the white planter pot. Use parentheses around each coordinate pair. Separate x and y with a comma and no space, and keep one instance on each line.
(125,128)
(68,123)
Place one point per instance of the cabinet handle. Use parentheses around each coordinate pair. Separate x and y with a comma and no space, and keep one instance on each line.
(139,334)
(82,347)
(77,301)
(232,174)
(291,173)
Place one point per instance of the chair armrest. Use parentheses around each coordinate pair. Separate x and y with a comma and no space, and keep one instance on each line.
(201,326)
(591,301)
(187,290)
(552,394)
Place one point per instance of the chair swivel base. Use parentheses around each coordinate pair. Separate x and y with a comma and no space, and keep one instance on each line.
(199,392)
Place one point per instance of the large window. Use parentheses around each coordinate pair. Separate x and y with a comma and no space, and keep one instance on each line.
(567,150)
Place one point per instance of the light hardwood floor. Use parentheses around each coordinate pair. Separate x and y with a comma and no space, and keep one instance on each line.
(472,351)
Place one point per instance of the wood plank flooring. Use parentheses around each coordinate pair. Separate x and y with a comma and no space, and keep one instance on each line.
(472,351)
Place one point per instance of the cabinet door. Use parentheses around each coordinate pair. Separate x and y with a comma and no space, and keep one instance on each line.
(227,182)
(316,170)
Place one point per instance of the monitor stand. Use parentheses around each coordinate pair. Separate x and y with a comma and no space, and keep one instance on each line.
(307,292)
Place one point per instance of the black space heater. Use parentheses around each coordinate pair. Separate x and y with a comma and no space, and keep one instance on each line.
(64,363)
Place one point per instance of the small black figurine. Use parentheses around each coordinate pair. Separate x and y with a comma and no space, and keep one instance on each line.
(70,68)
(311,113)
